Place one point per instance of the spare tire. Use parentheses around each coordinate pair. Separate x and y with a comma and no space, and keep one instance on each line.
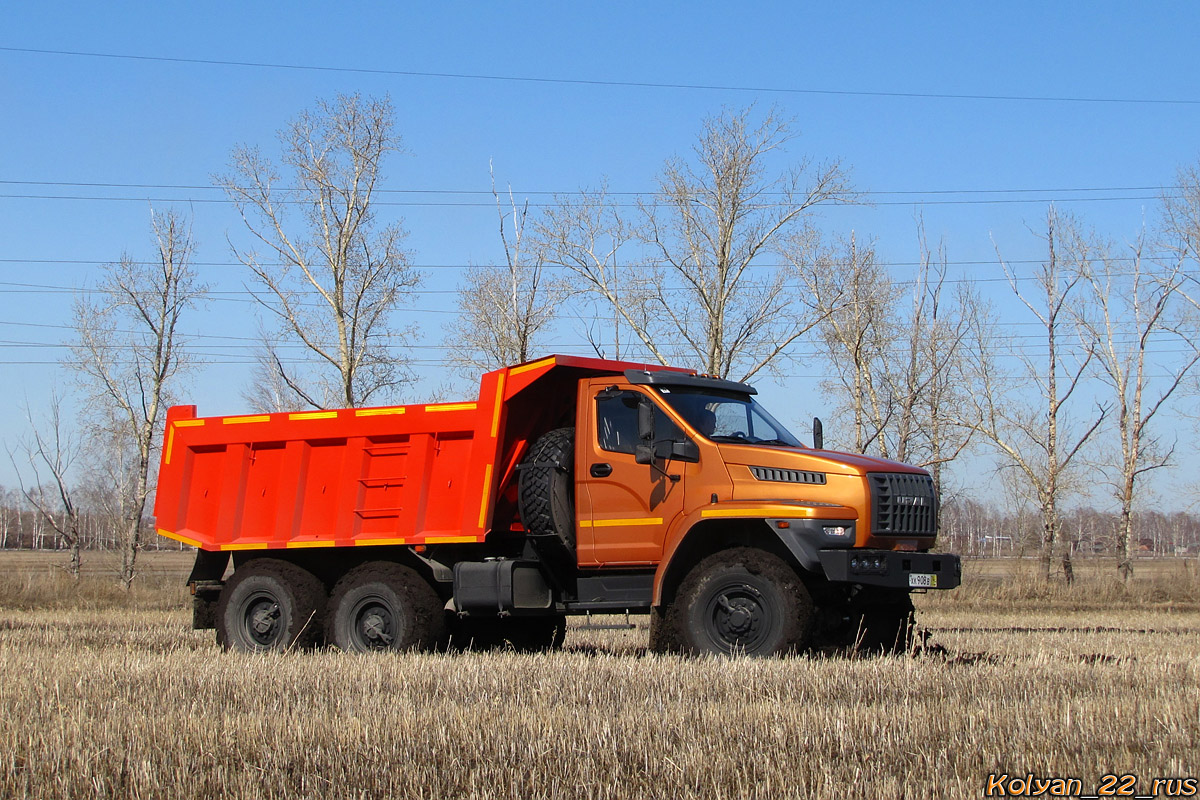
(546,489)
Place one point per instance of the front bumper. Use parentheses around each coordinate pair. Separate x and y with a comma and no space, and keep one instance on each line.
(893,569)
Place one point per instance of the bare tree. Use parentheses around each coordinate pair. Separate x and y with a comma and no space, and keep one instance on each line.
(1040,441)
(898,367)
(268,391)
(329,274)
(1134,304)
(51,454)
(927,388)
(692,298)
(855,300)
(1181,216)
(503,311)
(128,355)
(587,234)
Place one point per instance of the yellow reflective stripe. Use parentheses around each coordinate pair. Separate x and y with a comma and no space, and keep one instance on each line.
(178,538)
(534,365)
(243,420)
(613,523)
(748,512)
(323,543)
(314,415)
(380,541)
(450,539)
(188,423)
(252,546)
(377,412)
(170,444)
(452,407)
(496,410)
(487,493)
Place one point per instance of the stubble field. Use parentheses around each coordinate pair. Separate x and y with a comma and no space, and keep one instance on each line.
(105,695)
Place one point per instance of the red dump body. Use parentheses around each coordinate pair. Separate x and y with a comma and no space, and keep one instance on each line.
(417,474)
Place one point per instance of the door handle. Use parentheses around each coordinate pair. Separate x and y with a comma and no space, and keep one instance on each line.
(601,470)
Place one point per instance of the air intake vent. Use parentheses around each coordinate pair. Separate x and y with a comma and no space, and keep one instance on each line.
(902,504)
(787,475)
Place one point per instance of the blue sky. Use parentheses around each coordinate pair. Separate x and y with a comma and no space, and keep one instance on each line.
(75,120)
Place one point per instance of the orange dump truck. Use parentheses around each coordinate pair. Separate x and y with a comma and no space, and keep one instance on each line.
(570,486)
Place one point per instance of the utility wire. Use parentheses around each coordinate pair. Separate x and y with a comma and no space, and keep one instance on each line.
(649,193)
(760,265)
(608,83)
(432,204)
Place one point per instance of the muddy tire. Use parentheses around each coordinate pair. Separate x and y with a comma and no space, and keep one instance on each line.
(546,490)
(383,606)
(739,601)
(662,638)
(270,605)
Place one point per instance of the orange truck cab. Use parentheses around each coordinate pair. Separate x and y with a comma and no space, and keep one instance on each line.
(569,486)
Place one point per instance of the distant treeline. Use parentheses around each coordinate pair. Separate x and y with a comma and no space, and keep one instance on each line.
(968,528)
(977,530)
(23,527)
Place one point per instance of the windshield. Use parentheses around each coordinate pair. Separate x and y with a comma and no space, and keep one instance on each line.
(726,416)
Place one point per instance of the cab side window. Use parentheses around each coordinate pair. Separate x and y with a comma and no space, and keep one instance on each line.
(616,422)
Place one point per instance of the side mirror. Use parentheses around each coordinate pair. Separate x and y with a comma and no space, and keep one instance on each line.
(685,450)
(643,454)
(818,434)
(645,411)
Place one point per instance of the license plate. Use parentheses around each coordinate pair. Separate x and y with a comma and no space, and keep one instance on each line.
(922,580)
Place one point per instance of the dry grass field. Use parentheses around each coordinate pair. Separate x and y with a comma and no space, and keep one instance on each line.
(107,695)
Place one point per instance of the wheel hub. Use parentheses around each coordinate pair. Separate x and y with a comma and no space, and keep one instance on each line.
(263,621)
(737,616)
(375,626)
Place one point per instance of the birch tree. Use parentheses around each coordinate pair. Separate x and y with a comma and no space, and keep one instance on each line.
(1040,440)
(50,452)
(503,311)
(693,298)
(589,236)
(898,365)
(1135,304)
(855,300)
(128,355)
(327,271)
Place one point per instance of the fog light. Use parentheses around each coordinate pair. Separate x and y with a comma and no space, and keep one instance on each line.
(835,530)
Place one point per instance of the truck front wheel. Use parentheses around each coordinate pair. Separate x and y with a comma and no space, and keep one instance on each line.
(739,601)
(383,606)
(270,605)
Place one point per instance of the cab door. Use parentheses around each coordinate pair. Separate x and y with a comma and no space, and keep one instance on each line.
(624,508)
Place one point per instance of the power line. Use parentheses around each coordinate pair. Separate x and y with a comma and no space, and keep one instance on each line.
(555,193)
(760,265)
(432,204)
(606,83)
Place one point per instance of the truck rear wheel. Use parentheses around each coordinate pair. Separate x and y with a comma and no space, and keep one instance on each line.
(546,490)
(383,606)
(739,601)
(270,605)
